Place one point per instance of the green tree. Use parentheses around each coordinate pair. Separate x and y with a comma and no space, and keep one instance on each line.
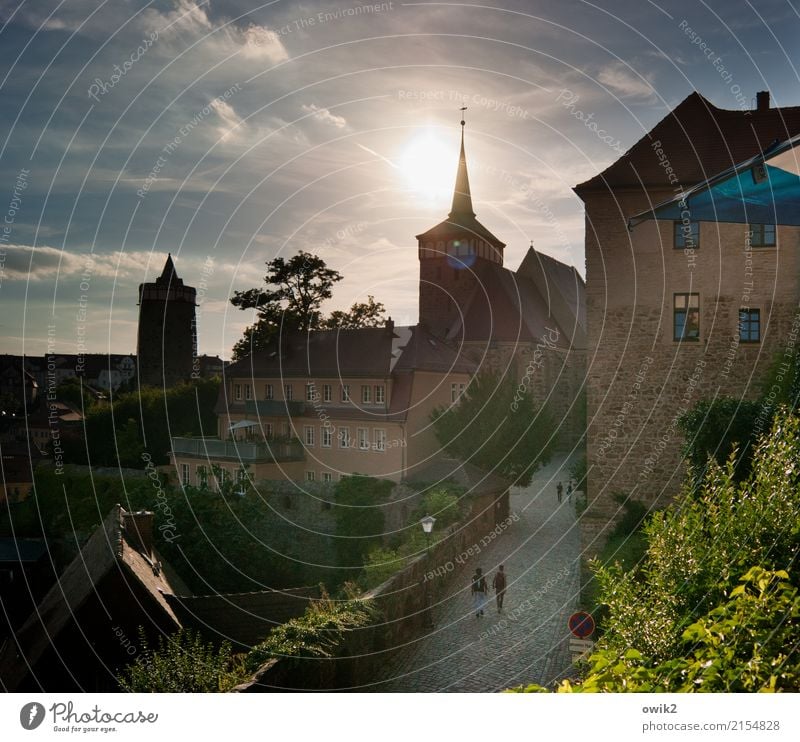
(359,518)
(496,426)
(292,299)
(366,314)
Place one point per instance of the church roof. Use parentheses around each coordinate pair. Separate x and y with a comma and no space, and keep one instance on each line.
(462,216)
(169,275)
(699,141)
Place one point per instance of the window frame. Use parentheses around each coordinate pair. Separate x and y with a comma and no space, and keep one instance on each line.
(309,436)
(679,237)
(762,231)
(362,439)
(288,392)
(366,394)
(750,323)
(326,437)
(379,440)
(687,308)
(327,393)
(380,394)
(186,475)
(345,392)
(237,392)
(248,392)
(345,441)
(269,391)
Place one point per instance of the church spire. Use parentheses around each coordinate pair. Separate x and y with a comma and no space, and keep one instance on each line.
(462,199)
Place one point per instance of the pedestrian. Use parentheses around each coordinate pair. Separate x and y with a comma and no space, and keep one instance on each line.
(569,492)
(499,585)
(559,489)
(478,592)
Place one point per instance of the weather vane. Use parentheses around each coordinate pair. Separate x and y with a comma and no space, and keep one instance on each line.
(463,108)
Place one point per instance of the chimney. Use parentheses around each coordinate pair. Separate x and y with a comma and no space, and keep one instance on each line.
(138,530)
(762,100)
(390,325)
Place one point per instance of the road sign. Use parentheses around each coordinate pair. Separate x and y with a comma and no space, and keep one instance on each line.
(581,624)
(581,645)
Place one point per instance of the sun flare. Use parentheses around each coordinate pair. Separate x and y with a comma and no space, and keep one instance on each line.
(428,165)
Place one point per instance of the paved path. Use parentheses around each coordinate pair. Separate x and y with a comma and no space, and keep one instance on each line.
(528,642)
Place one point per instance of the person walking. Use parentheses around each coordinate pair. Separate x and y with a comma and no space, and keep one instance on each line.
(569,493)
(559,489)
(499,585)
(478,592)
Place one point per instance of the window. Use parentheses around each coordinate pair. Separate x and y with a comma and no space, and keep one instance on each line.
(237,391)
(686,317)
(269,392)
(287,431)
(363,439)
(456,390)
(269,430)
(327,393)
(326,436)
(366,394)
(687,235)
(344,437)
(248,394)
(223,476)
(379,439)
(185,474)
(762,235)
(202,476)
(326,477)
(749,325)
(308,432)
(288,392)
(310,476)
(310,393)
(380,394)
(345,392)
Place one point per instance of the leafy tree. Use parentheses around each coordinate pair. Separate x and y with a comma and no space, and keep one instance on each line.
(369,314)
(714,428)
(292,299)
(496,425)
(359,518)
(182,663)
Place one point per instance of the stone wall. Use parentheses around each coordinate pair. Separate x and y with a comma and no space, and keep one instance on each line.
(402,602)
(639,379)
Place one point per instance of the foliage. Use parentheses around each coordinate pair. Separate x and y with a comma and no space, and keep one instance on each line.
(748,643)
(359,517)
(714,428)
(182,663)
(320,632)
(71,392)
(380,565)
(496,426)
(443,504)
(117,434)
(292,299)
(366,314)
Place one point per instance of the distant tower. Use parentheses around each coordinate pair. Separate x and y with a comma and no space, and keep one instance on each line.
(450,256)
(167,342)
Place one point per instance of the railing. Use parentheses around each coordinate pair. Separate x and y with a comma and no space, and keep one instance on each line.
(215,448)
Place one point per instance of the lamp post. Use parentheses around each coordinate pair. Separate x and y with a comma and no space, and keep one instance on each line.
(427,528)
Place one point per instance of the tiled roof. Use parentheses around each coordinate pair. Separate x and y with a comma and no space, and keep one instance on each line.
(699,140)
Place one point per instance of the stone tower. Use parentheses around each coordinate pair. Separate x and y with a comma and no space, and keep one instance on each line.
(451,256)
(167,341)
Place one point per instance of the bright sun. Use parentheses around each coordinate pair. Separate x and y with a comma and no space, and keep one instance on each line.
(429,167)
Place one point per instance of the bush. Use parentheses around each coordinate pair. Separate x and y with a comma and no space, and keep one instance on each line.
(182,664)
(359,518)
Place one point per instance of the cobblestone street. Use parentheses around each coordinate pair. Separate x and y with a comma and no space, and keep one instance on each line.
(528,641)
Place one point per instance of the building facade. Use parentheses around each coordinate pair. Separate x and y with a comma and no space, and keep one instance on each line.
(677,311)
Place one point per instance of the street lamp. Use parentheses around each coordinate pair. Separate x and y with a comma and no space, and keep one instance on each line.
(427,527)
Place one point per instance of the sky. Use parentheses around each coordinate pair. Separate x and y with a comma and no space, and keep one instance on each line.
(229,133)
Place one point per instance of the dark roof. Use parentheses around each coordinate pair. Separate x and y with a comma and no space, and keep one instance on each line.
(511,307)
(322,353)
(699,140)
(107,549)
(244,619)
(442,469)
(422,351)
(22,550)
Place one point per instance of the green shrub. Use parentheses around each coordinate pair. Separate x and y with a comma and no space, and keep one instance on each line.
(182,663)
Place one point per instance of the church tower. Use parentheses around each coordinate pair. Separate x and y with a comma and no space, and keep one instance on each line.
(451,258)
(167,341)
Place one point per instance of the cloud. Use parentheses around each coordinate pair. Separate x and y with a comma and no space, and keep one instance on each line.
(325,116)
(231,121)
(623,80)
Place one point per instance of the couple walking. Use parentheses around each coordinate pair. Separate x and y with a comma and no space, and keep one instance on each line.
(480,590)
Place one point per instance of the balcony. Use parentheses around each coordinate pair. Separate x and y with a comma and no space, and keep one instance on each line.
(241,451)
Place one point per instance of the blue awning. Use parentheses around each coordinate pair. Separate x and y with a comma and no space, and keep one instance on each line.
(762,190)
